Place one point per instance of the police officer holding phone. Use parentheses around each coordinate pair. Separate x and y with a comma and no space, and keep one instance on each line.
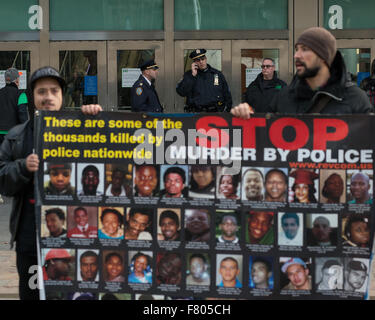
(204,87)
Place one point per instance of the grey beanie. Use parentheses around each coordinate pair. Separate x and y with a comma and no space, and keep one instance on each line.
(321,41)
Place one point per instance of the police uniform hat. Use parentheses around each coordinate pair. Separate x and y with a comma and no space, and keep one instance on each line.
(357,265)
(55,166)
(150,64)
(197,53)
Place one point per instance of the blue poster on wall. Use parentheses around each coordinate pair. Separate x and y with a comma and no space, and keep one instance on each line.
(361,76)
(91,86)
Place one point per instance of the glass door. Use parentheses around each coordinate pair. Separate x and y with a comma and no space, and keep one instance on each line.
(22,56)
(358,56)
(247,57)
(218,57)
(83,66)
(124,58)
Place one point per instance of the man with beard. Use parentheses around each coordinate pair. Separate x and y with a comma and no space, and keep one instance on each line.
(276,186)
(253,185)
(89,265)
(359,188)
(228,227)
(320,85)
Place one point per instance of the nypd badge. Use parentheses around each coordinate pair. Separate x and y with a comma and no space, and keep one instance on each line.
(216,80)
(139,91)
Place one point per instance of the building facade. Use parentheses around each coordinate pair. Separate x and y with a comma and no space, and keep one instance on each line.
(98,44)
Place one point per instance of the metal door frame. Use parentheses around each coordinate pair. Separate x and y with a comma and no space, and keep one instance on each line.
(100,47)
(357,44)
(181,45)
(33,47)
(285,67)
(114,46)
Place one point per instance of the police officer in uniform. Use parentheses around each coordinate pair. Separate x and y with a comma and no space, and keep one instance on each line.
(143,94)
(204,87)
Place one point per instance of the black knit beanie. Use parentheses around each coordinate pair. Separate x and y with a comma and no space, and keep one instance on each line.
(321,41)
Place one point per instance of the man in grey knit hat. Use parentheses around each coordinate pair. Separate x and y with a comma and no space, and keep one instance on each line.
(320,84)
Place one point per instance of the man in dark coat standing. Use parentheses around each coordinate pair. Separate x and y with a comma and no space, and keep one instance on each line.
(13,111)
(263,89)
(144,97)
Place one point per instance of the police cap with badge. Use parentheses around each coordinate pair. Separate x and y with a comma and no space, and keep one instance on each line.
(147,65)
(144,95)
(197,53)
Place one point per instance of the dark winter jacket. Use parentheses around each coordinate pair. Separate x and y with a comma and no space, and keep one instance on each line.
(15,179)
(260,93)
(346,98)
(208,91)
(144,97)
(13,110)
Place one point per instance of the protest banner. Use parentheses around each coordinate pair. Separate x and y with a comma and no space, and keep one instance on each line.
(205,206)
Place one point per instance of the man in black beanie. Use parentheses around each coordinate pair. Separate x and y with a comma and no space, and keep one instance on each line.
(320,84)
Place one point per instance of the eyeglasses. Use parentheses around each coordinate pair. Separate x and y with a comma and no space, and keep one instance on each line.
(267,66)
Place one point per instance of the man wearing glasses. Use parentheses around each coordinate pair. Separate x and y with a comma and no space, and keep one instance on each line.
(204,87)
(266,85)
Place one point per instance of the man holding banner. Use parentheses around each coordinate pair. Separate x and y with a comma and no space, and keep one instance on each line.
(18,163)
(320,84)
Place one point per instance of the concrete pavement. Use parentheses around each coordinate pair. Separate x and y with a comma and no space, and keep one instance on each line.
(8,271)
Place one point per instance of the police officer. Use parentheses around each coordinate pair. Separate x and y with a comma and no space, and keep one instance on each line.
(204,87)
(143,94)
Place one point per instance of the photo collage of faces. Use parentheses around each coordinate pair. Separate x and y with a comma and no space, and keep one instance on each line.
(180,231)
